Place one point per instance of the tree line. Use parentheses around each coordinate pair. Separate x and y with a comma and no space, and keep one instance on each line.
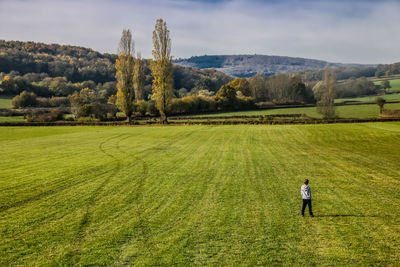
(341,73)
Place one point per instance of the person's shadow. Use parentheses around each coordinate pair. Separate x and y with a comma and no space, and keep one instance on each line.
(344,215)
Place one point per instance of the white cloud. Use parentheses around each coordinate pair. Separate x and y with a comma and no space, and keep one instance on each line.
(337,31)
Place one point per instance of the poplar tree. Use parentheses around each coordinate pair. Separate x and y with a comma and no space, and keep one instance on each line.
(138,77)
(161,68)
(125,75)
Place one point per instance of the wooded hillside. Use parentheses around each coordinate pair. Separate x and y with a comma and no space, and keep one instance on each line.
(35,66)
(249,65)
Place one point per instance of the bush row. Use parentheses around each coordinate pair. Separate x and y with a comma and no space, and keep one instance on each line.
(390,113)
(198,104)
(269,117)
(5,112)
(227,122)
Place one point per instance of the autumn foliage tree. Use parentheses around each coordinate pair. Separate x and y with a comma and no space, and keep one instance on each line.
(8,85)
(125,74)
(25,99)
(162,69)
(242,85)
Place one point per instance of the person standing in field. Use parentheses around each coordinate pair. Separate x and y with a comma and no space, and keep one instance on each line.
(306,195)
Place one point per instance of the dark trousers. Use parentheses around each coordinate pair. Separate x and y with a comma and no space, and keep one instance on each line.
(305,203)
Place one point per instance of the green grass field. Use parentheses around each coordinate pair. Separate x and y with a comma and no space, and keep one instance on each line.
(349,111)
(13,118)
(388,97)
(200,195)
(395,84)
(5,101)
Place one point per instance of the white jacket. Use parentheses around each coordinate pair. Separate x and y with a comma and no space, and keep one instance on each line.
(305,191)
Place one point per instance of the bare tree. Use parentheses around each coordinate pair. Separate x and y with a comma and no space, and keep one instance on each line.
(259,88)
(161,67)
(325,93)
(386,85)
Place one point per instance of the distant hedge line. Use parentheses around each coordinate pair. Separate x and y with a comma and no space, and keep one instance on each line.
(227,122)
(268,117)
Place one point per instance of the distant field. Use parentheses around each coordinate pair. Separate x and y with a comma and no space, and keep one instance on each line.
(200,195)
(5,101)
(395,84)
(14,118)
(389,97)
(349,111)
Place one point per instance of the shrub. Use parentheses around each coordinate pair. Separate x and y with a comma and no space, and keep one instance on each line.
(85,111)
(380,102)
(25,99)
(88,119)
(43,102)
(61,101)
(245,102)
(97,111)
(390,113)
(151,108)
(42,116)
(56,114)
(193,104)
(141,107)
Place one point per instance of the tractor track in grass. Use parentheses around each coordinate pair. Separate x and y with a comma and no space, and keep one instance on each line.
(65,185)
(72,257)
(92,200)
(138,198)
(144,164)
(141,226)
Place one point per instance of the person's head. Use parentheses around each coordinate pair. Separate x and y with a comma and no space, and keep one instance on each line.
(306,181)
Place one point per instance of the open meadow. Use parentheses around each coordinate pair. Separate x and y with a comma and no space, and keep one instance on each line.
(347,111)
(200,195)
(370,99)
(394,83)
(5,101)
(13,118)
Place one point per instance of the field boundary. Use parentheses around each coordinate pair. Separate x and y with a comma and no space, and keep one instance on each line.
(271,116)
(11,112)
(252,120)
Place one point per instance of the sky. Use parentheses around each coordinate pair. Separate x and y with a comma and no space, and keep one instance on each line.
(352,31)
